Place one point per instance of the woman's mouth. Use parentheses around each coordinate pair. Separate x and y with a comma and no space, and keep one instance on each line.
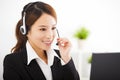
(47,42)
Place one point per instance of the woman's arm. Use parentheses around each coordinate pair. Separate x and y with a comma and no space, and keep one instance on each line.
(70,72)
(64,48)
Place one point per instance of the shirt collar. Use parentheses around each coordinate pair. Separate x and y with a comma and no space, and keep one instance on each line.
(30,53)
(51,53)
(33,55)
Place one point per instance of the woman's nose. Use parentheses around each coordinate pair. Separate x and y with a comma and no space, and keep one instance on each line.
(49,34)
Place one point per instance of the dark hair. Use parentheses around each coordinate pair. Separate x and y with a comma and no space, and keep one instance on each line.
(33,11)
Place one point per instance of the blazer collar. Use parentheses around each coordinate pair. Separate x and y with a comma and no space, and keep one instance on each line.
(33,68)
(34,71)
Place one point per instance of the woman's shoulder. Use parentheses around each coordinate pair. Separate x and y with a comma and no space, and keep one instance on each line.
(11,55)
(12,58)
(16,56)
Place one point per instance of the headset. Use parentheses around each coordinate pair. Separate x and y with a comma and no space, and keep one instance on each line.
(23,29)
(58,36)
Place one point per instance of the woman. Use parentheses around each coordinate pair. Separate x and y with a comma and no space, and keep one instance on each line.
(32,57)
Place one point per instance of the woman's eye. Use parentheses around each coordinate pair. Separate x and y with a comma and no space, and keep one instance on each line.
(53,28)
(43,29)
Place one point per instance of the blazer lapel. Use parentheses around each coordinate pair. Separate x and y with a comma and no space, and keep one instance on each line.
(33,68)
(35,71)
(56,69)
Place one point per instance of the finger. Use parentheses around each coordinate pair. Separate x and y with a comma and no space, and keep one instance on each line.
(63,42)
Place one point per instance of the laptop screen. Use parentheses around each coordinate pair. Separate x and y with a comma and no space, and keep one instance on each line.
(105,66)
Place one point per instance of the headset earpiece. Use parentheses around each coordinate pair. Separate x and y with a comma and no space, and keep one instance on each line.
(23,27)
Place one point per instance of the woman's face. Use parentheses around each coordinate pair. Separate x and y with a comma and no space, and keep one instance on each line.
(42,32)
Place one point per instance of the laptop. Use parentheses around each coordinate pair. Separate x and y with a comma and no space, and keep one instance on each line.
(105,66)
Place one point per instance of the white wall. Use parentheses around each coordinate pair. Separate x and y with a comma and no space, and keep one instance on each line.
(101,17)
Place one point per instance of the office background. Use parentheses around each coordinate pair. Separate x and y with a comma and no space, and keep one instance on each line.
(101,17)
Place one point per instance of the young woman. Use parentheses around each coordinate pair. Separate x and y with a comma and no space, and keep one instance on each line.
(32,57)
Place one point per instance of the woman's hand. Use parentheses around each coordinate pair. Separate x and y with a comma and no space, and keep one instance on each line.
(64,46)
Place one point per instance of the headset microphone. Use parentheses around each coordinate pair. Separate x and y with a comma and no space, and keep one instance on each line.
(58,36)
(23,27)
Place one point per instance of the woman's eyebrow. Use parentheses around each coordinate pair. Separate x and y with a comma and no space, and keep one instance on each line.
(42,26)
(54,25)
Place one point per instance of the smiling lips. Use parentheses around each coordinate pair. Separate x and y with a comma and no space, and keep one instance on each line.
(47,42)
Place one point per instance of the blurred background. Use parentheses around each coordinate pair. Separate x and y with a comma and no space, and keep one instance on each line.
(100,17)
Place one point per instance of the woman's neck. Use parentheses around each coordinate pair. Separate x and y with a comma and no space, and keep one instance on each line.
(41,53)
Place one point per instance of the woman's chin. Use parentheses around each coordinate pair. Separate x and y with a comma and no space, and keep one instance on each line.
(47,48)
